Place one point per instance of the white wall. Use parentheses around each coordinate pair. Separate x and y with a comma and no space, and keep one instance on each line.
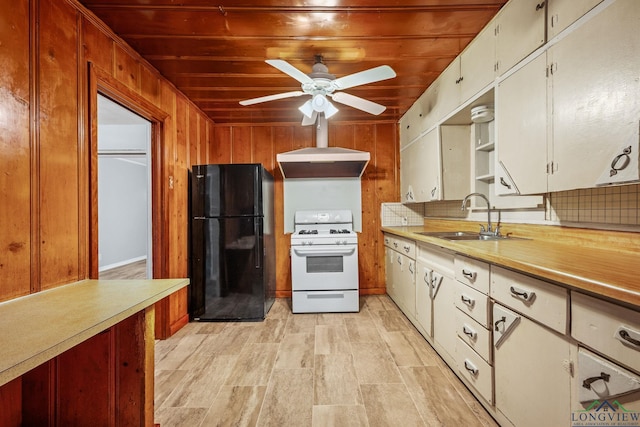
(122,209)
(123,182)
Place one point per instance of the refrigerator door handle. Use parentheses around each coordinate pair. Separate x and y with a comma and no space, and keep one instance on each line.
(257,246)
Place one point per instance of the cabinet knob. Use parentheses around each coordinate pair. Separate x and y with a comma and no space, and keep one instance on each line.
(470,367)
(471,275)
(540,6)
(587,383)
(504,183)
(526,296)
(624,334)
(620,162)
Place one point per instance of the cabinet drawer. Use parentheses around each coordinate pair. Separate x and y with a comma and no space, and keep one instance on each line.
(473,303)
(473,273)
(600,379)
(475,335)
(404,246)
(475,370)
(437,258)
(541,301)
(608,328)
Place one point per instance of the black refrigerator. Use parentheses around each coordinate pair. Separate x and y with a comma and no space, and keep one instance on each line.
(232,242)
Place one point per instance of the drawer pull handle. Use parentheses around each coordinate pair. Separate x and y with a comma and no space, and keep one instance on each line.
(522,294)
(470,367)
(469,332)
(469,301)
(471,275)
(587,383)
(497,322)
(407,248)
(624,334)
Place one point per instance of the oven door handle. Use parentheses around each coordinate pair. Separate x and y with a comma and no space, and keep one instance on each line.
(324,251)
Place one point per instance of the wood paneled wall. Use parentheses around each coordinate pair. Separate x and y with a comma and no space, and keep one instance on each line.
(380,182)
(45,146)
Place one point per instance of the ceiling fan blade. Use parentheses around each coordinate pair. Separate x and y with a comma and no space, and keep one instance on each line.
(306,121)
(289,69)
(272,97)
(359,103)
(382,72)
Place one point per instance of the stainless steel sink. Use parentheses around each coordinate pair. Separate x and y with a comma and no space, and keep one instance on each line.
(446,234)
(466,235)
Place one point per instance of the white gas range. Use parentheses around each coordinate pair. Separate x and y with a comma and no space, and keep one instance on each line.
(324,262)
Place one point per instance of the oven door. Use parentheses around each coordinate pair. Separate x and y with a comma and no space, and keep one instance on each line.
(328,267)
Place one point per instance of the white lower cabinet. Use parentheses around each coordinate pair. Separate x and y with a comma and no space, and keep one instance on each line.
(532,368)
(435,293)
(444,316)
(475,370)
(601,381)
(424,306)
(400,271)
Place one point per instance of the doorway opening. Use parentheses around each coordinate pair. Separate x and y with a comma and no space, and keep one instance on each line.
(124,193)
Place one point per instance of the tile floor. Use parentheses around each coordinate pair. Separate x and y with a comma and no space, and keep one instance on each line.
(370,368)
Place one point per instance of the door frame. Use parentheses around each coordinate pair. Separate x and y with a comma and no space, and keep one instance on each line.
(103,83)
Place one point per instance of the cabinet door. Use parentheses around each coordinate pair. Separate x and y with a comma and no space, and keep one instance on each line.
(563,13)
(449,88)
(429,107)
(520,29)
(410,172)
(444,315)
(420,169)
(477,63)
(410,125)
(407,287)
(396,259)
(532,374)
(423,297)
(455,167)
(596,100)
(521,130)
(389,272)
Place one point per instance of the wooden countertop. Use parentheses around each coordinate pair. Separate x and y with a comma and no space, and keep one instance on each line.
(40,326)
(603,272)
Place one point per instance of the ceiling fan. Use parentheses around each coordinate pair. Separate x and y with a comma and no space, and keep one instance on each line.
(320,85)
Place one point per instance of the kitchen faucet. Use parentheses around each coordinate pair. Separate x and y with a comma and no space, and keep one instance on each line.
(488,231)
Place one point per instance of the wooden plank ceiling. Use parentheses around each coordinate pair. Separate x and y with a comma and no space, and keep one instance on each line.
(214,52)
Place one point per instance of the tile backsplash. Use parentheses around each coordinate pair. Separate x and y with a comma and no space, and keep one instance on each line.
(604,205)
(601,207)
(396,214)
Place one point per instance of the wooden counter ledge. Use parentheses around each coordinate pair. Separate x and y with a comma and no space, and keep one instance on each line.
(41,326)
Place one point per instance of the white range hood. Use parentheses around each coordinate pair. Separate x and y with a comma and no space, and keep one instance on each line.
(323,161)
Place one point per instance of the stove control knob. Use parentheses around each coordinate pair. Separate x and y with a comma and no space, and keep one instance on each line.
(344,242)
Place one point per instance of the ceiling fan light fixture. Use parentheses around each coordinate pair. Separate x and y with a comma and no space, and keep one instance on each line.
(307,109)
(330,110)
(321,104)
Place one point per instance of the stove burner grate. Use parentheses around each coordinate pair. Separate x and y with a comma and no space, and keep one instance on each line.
(308,232)
(342,231)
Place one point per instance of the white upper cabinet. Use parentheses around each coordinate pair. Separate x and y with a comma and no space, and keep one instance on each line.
(420,169)
(477,69)
(409,125)
(521,129)
(596,100)
(448,88)
(520,29)
(436,167)
(563,13)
